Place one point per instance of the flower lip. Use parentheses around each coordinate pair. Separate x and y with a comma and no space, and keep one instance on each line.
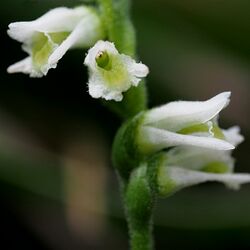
(159,139)
(233,135)
(186,177)
(196,158)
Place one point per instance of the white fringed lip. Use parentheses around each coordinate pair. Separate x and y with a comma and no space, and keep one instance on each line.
(123,74)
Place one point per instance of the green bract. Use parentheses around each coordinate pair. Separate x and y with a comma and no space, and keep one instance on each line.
(126,153)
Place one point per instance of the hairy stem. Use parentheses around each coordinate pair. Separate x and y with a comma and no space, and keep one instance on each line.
(139,204)
(141,238)
(138,198)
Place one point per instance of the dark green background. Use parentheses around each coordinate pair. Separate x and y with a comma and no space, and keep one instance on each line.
(194,49)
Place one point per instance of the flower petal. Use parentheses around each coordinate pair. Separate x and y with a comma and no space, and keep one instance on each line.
(186,177)
(177,115)
(24,66)
(139,70)
(154,139)
(100,90)
(233,135)
(136,70)
(84,34)
(197,158)
(56,20)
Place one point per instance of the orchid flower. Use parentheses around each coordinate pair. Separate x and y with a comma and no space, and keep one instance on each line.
(185,123)
(48,38)
(111,73)
(185,166)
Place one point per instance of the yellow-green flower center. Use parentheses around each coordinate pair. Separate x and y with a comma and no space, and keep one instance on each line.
(43,46)
(216,167)
(165,184)
(203,128)
(113,71)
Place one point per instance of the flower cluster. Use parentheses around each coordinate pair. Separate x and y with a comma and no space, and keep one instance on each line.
(49,37)
(193,148)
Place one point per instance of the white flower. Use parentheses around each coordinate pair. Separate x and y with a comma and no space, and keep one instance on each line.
(185,123)
(48,38)
(186,166)
(111,73)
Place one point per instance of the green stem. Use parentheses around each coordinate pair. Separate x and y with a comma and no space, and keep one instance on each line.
(141,238)
(138,198)
(120,30)
(139,204)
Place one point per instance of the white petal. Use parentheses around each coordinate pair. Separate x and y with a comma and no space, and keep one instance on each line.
(84,34)
(177,115)
(139,70)
(68,43)
(196,158)
(233,135)
(157,139)
(136,69)
(186,177)
(97,89)
(91,30)
(56,20)
(24,66)
(134,81)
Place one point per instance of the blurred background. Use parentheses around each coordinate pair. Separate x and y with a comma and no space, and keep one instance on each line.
(58,190)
